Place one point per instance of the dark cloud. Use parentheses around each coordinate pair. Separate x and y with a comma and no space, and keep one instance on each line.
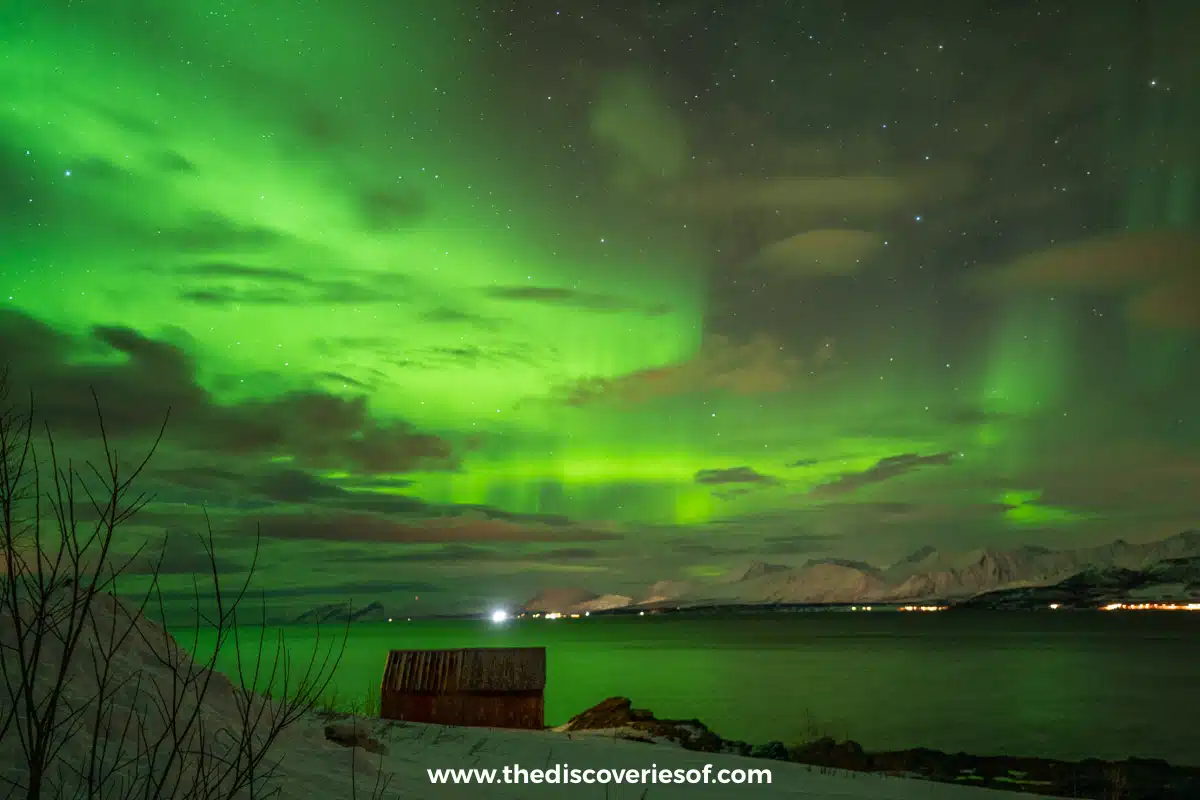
(551,520)
(966,416)
(1108,262)
(804,462)
(570,554)
(345,380)
(320,126)
(316,429)
(215,232)
(200,476)
(295,486)
(171,161)
(223,283)
(734,475)
(696,549)
(892,508)
(396,351)
(572,298)
(448,554)
(459,553)
(762,365)
(1173,304)
(388,482)
(221,270)
(389,209)
(127,121)
(292,486)
(1154,272)
(445,315)
(214,485)
(328,293)
(351,527)
(184,554)
(98,169)
(360,592)
(466,356)
(338,345)
(884,469)
(229,297)
(764,543)
(795,544)
(835,251)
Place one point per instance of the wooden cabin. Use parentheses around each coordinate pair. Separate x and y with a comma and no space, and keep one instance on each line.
(500,687)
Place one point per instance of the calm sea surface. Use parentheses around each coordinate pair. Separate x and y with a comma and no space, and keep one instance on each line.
(1048,684)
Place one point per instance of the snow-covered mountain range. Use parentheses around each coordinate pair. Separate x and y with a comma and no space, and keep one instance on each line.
(927,574)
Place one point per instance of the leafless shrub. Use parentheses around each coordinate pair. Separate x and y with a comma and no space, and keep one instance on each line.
(97,700)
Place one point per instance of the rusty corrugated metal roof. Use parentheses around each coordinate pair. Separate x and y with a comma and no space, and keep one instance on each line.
(487,669)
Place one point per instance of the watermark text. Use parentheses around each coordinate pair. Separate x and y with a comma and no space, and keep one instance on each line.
(566,774)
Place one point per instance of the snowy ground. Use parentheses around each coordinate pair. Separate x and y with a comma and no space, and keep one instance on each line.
(314,767)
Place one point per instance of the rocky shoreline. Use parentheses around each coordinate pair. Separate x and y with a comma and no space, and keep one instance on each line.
(1131,779)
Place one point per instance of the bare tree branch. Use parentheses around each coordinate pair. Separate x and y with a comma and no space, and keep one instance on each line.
(88,721)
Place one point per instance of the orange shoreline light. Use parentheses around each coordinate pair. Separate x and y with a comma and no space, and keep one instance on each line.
(1151,607)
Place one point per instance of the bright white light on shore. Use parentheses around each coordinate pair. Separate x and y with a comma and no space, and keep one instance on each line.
(499,616)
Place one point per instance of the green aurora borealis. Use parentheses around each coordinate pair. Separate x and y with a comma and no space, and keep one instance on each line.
(462,303)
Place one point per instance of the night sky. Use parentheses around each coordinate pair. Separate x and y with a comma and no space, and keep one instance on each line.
(461,301)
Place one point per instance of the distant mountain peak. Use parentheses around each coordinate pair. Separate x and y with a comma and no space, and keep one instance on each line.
(918,556)
(846,563)
(561,600)
(342,612)
(760,569)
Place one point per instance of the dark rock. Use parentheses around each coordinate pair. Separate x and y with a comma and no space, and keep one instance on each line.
(774,750)
(615,712)
(738,748)
(828,752)
(618,712)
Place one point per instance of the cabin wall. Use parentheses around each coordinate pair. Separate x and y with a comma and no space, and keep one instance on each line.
(525,710)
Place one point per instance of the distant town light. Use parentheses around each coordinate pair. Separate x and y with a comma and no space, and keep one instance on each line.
(1151,607)
(499,616)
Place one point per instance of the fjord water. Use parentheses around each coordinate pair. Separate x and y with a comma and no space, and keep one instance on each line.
(1058,685)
